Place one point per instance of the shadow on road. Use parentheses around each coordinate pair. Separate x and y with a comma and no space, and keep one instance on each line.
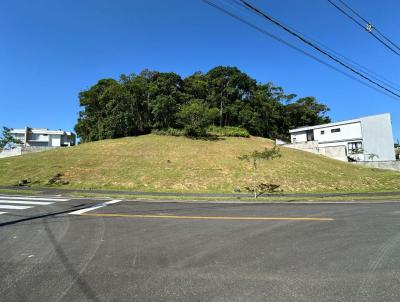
(30,218)
(76,277)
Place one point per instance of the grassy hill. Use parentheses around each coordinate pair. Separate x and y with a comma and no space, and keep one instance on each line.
(178,164)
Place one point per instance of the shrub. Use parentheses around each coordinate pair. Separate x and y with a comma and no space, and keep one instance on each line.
(168,132)
(195,116)
(228,131)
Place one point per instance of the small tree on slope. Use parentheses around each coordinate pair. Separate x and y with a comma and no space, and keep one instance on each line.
(255,157)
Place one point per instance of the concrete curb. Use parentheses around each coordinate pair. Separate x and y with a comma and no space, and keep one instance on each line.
(56,191)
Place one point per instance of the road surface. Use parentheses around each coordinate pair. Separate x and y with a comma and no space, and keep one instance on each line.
(62,249)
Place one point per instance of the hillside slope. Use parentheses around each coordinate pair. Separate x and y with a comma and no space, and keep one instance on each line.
(178,164)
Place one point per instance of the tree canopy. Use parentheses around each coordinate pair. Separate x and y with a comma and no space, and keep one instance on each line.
(138,103)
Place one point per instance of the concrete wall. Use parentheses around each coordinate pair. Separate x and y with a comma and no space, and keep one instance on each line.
(387,165)
(322,134)
(378,137)
(298,137)
(351,131)
(33,149)
(311,146)
(335,152)
(38,137)
(11,152)
(23,150)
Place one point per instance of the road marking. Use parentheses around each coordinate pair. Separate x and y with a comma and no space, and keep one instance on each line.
(3,213)
(95,207)
(32,198)
(26,202)
(8,207)
(212,217)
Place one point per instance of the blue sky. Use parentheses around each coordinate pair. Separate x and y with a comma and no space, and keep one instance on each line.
(52,50)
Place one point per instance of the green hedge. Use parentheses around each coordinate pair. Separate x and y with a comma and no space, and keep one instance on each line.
(211,130)
(169,132)
(228,131)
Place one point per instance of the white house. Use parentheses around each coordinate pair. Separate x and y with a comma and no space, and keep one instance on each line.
(367,138)
(42,137)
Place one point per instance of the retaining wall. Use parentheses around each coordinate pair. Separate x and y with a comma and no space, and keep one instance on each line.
(388,165)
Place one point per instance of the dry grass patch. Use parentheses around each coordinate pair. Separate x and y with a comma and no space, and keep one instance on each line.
(163,163)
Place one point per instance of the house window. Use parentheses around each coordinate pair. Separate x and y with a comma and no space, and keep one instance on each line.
(335,130)
(322,132)
(355,148)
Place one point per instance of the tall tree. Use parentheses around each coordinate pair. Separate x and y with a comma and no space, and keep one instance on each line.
(226,86)
(136,104)
(305,112)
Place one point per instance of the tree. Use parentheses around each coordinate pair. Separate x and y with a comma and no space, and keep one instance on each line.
(8,140)
(163,110)
(137,104)
(255,157)
(90,126)
(227,85)
(262,115)
(195,116)
(305,112)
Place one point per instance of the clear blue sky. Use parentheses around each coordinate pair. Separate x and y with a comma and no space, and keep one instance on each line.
(50,50)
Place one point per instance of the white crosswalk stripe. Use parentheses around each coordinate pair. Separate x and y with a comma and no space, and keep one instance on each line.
(32,198)
(43,203)
(26,202)
(8,207)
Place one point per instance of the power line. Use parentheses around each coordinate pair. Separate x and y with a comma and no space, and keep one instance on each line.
(366,21)
(350,62)
(319,49)
(367,27)
(265,32)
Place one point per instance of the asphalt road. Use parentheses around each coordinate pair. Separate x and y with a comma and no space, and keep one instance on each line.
(137,251)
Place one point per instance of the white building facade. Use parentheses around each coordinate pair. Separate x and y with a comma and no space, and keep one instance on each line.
(44,138)
(367,138)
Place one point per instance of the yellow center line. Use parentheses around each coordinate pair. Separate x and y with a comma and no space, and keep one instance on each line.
(210,217)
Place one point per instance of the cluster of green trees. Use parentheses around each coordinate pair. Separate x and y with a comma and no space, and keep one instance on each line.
(224,96)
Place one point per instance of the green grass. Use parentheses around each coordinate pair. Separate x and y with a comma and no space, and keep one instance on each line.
(179,164)
(261,199)
(242,199)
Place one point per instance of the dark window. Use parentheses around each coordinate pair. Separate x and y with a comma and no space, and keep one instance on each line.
(335,130)
(355,148)
(310,135)
(322,132)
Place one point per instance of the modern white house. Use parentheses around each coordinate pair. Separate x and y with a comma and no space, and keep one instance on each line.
(43,137)
(367,138)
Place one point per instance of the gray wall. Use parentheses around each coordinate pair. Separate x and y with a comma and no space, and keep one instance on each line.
(387,165)
(378,137)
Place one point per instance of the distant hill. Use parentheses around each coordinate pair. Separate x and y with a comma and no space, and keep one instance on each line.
(178,164)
